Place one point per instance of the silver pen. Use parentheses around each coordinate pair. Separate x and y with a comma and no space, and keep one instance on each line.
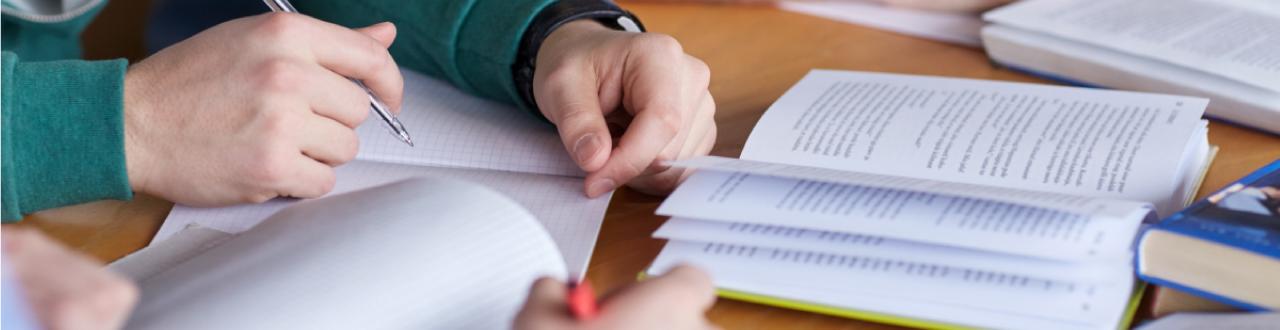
(375,104)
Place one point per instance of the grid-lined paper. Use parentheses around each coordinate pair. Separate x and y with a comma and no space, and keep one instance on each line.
(453,129)
(458,136)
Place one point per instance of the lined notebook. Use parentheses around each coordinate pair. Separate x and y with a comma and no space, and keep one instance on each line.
(940,202)
(451,255)
(458,136)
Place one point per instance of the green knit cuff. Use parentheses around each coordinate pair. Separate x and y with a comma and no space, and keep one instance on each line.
(64,135)
(488,43)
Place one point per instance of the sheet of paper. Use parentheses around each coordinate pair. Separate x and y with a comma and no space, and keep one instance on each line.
(572,219)
(1218,321)
(453,129)
(1088,142)
(1043,199)
(844,244)
(1236,39)
(451,255)
(944,294)
(957,28)
(906,215)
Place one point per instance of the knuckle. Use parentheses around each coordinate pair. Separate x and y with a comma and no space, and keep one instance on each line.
(671,120)
(378,57)
(700,71)
(271,170)
(260,197)
(119,292)
(279,26)
(350,147)
(279,75)
(325,183)
(660,43)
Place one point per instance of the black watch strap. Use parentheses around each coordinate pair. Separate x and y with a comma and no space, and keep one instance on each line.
(552,17)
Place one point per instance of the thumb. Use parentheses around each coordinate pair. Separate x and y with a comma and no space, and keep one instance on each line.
(681,288)
(574,107)
(545,307)
(384,33)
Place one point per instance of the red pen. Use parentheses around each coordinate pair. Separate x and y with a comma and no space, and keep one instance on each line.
(582,300)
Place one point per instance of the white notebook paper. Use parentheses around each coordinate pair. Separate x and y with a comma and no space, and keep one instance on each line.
(459,136)
(453,255)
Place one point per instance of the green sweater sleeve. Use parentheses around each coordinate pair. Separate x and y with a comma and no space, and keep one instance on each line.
(471,43)
(62,134)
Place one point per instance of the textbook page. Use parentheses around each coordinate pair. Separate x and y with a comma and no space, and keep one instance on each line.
(846,244)
(955,221)
(1088,142)
(453,129)
(572,219)
(956,28)
(957,295)
(1044,199)
(353,261)
(1236,39)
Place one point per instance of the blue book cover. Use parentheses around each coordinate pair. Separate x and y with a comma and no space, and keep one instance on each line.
(1244,215)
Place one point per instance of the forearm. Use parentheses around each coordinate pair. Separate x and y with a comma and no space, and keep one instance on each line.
(63,134)
(472,44)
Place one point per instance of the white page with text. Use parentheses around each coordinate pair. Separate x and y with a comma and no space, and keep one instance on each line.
(917,290)
(1087,142)
(907,215)
(1235,39)
(798,239)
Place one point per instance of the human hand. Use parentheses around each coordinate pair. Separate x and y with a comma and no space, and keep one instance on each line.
(65,290)
(254,108)
(676,300)
(586,72)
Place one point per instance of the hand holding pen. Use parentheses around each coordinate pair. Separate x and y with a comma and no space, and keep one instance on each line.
(376,105)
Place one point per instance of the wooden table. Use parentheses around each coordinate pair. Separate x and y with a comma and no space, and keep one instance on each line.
(755,53)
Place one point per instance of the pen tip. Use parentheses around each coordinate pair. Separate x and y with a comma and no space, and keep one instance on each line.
(405,136)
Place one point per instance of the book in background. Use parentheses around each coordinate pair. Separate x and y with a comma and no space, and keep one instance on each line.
(1225,247)
(1165,301)
(1227,51)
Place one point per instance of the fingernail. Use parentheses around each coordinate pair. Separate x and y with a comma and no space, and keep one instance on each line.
(586,148)
(602,186)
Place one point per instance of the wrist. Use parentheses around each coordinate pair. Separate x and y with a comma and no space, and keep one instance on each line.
(134,122)
(576,14)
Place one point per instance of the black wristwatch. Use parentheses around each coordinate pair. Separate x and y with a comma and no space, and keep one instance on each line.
(552,17)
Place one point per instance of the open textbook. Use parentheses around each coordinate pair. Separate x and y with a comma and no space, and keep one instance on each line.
(450,255)
(940,202)
(1225,50)
(459,136)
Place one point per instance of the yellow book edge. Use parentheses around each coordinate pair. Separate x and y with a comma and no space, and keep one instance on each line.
(1135,299)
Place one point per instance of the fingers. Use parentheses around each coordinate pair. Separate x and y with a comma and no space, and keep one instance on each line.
(667,89)
(352,54)
(545,307)
(680,296)
(311,178)
(328,141)
(384,33)
(336,97)
(574,108)
(66,290)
